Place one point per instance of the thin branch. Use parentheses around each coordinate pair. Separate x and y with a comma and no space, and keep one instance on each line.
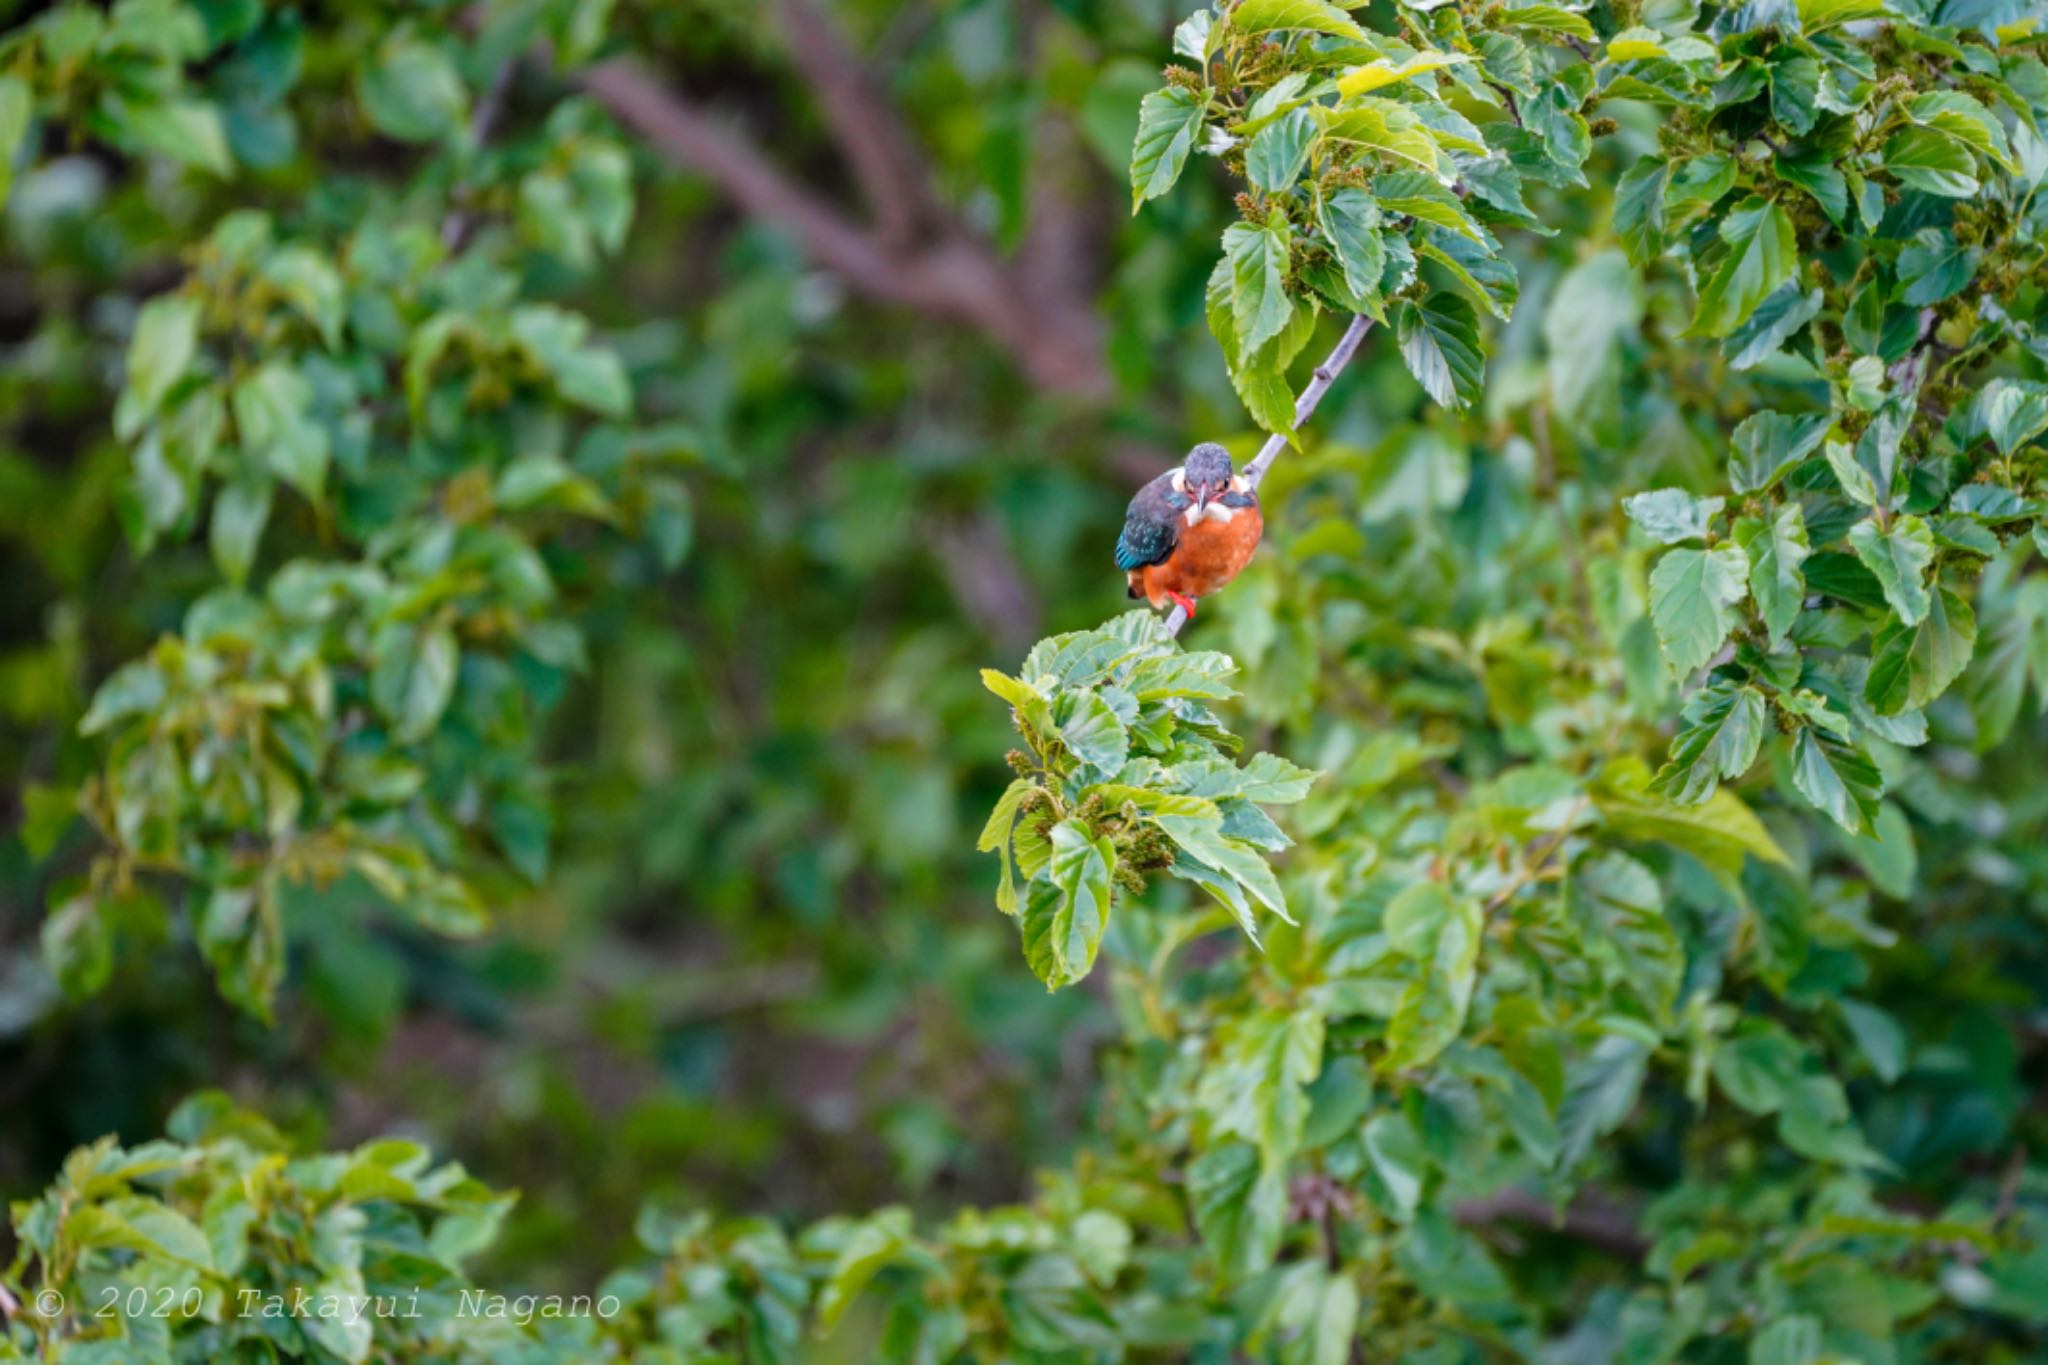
(975,558)
(455,227)
(1589,1219)
(1304,408)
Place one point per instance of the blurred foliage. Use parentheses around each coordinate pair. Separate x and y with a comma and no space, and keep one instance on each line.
(491,658)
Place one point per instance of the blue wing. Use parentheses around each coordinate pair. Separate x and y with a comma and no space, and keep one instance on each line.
(1152,526)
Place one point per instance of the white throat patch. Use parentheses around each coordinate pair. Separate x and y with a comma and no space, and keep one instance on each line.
(1215,511)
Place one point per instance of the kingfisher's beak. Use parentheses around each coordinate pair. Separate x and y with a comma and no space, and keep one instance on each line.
(1204,492)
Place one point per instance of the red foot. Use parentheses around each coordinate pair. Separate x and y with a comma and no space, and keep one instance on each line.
(1187,604)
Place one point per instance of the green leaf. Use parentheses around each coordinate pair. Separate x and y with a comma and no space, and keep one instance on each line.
(1762,251)
(1639,209)
(413,678)
(1911,665)
(1964,119)
(1081,867)
(1095,735)
(1385,126)
(1788,1341)
(1399,1162)
(1931,162)
(1898,556)
(1441,931)
(1169,121)
(1259,306)
(1724,725)
(17,107)
(1719,831)
(1440,345)
(1776,319)
(1601,1089)
(1768,445)
(995,838)
(187,131)
(1692,599)
(1671,516)
(1279,150)
(1934,266)
(1258,1089)
(411,90)
(1776,549)
(558,342)
(875,1242)
(1242,862)
(1350,219)
(78,946)
(1839,779)
(1548,19)
(275,426)
(1240,1208)
(1795,85)
(312,286)
(165,341)
(1597,309)
(1316,1313)
(1316,16)
(239,515)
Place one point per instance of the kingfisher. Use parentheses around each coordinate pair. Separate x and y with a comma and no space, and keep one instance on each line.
(1189,531)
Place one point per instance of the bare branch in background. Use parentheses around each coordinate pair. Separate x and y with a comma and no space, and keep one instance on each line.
(975,558)
(885,160)
(914,252)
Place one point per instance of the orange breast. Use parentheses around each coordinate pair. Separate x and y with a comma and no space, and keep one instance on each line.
(1209,555)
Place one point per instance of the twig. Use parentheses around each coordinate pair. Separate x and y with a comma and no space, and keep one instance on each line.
(1610,1227)
(456,225)
(1304,408)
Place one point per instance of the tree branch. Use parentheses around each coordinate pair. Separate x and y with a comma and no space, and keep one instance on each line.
(948,271)
(864,124)
(1304,408)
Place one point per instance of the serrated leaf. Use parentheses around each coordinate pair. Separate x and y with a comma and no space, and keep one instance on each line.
(1776,319)
(1279,151)
(1440,345)
(1639,209)
(1360,80)
(1692,599)
(1931,162)
(1762,251)
(1259,305)
(1776,549)
(1724,726)
(1911,665)
(1671,516)
(1385,126)
(1350,219)
(1240,1208)
(1768,445)
(1839,779)
(1081,868)
(1934,267)
(1898,556)
(1169,121)
(1316,16)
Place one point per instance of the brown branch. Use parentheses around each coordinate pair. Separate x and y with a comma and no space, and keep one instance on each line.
(865,125)
(456,225)
(986,581)
(950,272)
(1589,1219)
